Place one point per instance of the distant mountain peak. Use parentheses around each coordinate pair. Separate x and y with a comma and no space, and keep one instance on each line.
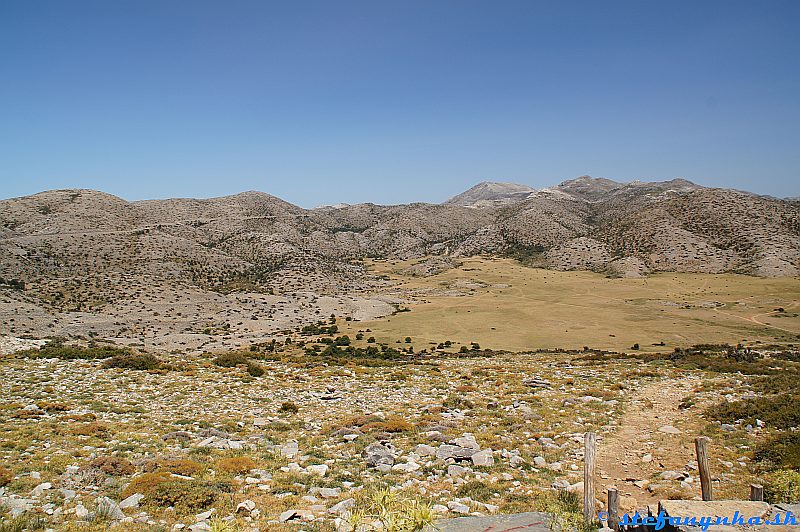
(491,192)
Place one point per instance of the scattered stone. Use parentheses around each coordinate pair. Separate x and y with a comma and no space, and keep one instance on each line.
(320,470)
(457,507)
(132,501)
(290,450)
(483,458)
(379,453)
(246,506)
(342,507)
(109,508)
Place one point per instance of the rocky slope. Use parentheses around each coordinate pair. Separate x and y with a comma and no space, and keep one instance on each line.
(490,193)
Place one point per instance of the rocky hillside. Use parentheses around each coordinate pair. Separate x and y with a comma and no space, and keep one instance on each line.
(490,193)
(78,250)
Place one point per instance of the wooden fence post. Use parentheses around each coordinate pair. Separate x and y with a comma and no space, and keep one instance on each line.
(701,446)
(756,492)
(588,477)
(613,508)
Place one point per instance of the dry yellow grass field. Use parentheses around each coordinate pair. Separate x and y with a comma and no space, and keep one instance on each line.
(502,304)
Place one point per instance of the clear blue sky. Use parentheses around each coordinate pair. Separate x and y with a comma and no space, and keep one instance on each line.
(394,101)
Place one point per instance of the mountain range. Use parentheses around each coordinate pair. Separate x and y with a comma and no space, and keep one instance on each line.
(60,242)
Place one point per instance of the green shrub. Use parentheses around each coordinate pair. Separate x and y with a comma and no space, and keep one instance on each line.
(113,465)
(780,451)
(186,496)
(288,408)
(232,360)
(393,511)
(255,370)
(57,349)
(782,486)
(140,361)
(778,411)
(179,466)
(236,465)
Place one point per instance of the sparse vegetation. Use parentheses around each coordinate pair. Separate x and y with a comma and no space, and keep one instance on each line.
(113,465)
(139,361)
(58,349)
(232,360)
(236,465)
(6,476)
(782,486)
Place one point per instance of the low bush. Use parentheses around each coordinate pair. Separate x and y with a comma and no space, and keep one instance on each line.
(779,411)
(95,428)
(289,408)
(179,466)
(782,486)
(188,496)
(392,424)
(6,476)
(140,361)
(781,451)
(113,465)
(146,484)
(237,465)
(57,349)
(232,360)
(391,510)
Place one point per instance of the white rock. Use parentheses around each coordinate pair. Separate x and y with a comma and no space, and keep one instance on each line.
(205,515)
(425,450)
(329,493)
(342,507)
(456,470)
(41,488)
(319,470)
(290,450)
(408,467)
(132,501)
(245,506)
(457,507)
(109,508)
(483,458)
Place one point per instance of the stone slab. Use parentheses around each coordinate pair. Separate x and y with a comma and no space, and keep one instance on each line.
(725,509)
(525,522)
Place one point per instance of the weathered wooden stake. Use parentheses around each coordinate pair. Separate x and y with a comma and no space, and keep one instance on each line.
(589,448)
(613,508)
(701,446)
(756,492)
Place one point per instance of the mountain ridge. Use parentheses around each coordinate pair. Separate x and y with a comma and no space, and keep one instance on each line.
(91,262)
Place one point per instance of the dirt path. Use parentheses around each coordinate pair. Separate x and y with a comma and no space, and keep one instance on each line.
(752,319)
(639,450)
